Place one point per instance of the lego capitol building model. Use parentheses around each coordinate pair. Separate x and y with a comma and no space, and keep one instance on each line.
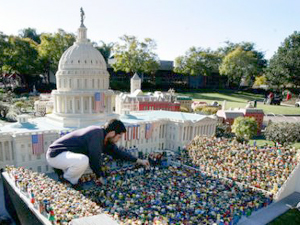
(83,98)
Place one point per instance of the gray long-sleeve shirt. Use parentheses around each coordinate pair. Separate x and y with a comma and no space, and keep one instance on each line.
(90,142)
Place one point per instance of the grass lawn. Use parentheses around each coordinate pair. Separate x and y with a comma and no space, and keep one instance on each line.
(260,141)
(291,217)
(235,99)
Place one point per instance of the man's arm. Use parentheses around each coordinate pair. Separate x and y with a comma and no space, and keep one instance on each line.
(116,153)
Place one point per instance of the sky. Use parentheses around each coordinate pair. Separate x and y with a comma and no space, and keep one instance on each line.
(175,25)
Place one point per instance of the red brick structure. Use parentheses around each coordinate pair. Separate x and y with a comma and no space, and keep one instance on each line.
(157,105)
(228,116)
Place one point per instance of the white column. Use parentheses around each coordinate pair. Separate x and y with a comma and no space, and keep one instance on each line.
(90,105)
(54,104)
(2,151)
(58,104)
(66,105)
(73,105)
(10,150)
(186,133)
(82,105)
(7,151)
(108,104)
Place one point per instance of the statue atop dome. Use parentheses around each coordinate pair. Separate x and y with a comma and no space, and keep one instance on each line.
(82,15)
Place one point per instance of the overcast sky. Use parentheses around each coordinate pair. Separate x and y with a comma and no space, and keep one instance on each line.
(175,25)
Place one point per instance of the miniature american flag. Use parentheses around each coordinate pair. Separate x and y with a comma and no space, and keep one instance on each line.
(149,129)
(37,144)
(97,101)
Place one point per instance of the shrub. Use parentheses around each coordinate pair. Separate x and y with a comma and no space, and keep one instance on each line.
(199,108)
(244,128)
(183,109)
(223,130)
(209,110)
(19,105)
(283,133)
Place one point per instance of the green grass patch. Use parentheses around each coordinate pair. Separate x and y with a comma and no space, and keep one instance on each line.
(296,145)
(261,141)
(291,217)
(239,99)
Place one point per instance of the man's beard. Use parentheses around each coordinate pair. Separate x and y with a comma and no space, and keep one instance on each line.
(110,141)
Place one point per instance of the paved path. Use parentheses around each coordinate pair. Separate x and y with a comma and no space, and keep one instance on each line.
(281,118)
(271,212)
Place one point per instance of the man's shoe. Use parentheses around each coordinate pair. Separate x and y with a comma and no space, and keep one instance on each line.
(59,172)
(77,186)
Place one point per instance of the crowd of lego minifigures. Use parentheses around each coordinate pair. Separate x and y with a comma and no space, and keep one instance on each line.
(55,200)
(137,195)
(266,167)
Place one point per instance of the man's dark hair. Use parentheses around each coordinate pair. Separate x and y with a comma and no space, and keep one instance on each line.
(115,125)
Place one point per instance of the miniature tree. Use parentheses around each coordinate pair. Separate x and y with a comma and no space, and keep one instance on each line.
(244,127)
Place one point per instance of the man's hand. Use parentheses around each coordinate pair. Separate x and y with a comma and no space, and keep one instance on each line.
(101,181)
(142,162)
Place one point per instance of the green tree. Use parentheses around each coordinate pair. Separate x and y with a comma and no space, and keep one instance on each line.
(276,73)
(105,50)
(134,56)
(244,127)
(30,33)
(284,66)
(261,62)
(198,61)
(4,109)
(51,49)
(3,57)
(238,64)
(21,56)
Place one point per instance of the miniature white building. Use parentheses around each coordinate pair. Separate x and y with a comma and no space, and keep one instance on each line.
(139,101)
(83,98)
(135,83)
(44,105)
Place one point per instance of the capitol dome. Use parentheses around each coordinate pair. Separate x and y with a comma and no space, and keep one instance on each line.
(82,96)
(82,67)
(82,55)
